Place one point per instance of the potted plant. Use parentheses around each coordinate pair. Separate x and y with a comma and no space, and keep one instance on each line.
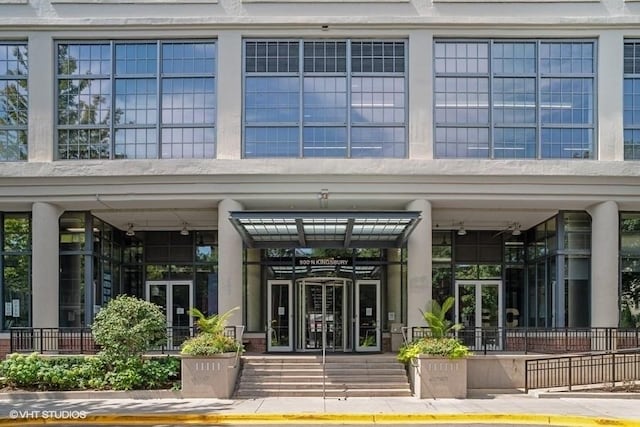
(437,363)
(210,359)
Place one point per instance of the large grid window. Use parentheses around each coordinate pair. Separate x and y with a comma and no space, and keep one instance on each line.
(632,100)
(142,100)
(338,98)
(13,101)
(518,99)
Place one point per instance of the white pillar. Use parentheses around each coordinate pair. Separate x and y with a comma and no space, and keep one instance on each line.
(229,262)
(229,87)
(420,111)
(611,65)
(419,264)
(604,264)
(45,265)
(41,98)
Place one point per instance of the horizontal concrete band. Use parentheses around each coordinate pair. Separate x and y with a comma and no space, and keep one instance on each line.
(331,418)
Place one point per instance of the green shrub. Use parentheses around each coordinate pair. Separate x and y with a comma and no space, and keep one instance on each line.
(76,373)
(444,347)
(211,338)
(208,344)
(127,327)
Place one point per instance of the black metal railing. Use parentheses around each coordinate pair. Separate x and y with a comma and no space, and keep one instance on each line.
(80,340)
(606,368)
(542,340)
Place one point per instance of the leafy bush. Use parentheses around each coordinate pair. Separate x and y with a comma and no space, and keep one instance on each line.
(436,318)
(127,327)
(208,344)
(77,373)
(211,338)
(444,347)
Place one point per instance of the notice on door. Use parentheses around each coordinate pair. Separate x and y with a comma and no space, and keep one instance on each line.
(281,311)
(368,311)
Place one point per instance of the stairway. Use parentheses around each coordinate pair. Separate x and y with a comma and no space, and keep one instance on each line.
(346,376)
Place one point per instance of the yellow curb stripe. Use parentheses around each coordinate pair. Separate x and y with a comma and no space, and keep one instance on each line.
(330,418)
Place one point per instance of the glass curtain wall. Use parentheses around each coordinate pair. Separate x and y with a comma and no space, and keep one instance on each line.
(514,99)
(15,264)
(14,101)
(329,98)
(559,271)
(629,270)
(113,263)
(136,100)
(386,265)
(632,100)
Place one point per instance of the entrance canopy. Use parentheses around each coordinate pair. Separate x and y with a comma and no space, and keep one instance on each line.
(323,229)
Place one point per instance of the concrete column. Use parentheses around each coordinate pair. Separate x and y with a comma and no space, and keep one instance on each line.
(229,86)
(45,271)
(41,98)
(419,264)
(610,126)
(604,264)
(421,100)
(229,262)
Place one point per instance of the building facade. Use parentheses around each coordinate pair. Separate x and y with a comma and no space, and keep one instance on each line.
(323,166)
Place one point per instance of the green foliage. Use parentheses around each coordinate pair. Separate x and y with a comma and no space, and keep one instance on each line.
(443,347)
(207,344)
(211,338)
(127,327)
(35,372)
(214,324)
(435,316)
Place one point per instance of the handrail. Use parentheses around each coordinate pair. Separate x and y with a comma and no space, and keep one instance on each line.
(602,367)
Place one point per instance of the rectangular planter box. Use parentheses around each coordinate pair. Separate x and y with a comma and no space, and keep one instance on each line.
(210,376)
(437,377)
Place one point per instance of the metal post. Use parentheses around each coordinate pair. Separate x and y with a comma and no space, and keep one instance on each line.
(324,343)
(570,375)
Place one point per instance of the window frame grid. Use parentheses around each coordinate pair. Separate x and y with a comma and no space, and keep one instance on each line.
(301,74)
(18,128)
(112,77)
(632,77)
(538,75)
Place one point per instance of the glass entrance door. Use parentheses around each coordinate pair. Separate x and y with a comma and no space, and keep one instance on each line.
(323,309)
(368,315)
(479,309)
(174,298)
(280,315)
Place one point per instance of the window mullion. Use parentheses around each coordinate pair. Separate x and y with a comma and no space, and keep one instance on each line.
(348,72)
(301,76)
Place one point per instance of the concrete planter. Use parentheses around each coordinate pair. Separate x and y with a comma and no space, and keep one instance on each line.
(438,377)
(210,376)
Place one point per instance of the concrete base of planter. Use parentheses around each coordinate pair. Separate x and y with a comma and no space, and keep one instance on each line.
(210,376)
(436,377)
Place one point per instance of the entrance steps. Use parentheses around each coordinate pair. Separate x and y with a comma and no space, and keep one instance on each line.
(345,376)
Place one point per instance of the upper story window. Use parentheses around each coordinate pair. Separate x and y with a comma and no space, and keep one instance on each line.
(136,100)
(632,100)
(522,99)
(13,101)
(329,98)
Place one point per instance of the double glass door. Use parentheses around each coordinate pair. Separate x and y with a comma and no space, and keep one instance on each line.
(323,313)
(174,298)
(323,310)
(479,309)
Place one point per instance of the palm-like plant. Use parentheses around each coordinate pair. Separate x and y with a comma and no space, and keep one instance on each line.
(214,324)
(435,316)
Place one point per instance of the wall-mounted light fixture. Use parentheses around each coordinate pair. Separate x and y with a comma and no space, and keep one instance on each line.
(130,231)
(461,230)
(185,230)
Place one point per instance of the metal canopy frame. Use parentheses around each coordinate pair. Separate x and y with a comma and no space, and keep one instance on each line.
(324,229)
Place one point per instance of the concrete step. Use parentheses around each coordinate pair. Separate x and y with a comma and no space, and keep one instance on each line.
(318,386)
(318,378)
(318,393)
(343,376)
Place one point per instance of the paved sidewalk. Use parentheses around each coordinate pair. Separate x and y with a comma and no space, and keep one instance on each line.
(480,408)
